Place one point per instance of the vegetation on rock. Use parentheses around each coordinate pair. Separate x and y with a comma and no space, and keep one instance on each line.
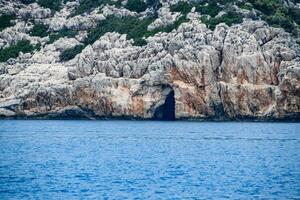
(133,27)
(6,21)
(229,18)
(275,12)
(62,33)
(70,53)
(40,30)
(182,7)
(27,1)
(88,5)
(209,10)
(52,4)
(14,50)
(136,5)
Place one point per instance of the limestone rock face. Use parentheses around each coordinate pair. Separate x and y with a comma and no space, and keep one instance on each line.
(246,71)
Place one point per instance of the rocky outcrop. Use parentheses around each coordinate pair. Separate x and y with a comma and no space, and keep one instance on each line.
(247,71)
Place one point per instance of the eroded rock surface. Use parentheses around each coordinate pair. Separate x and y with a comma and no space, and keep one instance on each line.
(246,71)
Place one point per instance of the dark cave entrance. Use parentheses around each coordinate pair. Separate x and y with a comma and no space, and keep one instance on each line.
(166,111)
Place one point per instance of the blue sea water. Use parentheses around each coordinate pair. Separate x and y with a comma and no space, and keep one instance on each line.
(149,160)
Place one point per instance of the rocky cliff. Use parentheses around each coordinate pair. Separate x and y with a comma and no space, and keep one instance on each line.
(187,69)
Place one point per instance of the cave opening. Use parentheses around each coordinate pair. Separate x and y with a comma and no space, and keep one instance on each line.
(166,112)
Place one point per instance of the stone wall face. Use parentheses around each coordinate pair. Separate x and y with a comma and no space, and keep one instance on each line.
(247,71)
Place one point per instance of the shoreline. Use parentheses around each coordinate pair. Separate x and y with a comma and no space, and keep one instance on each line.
(72,118)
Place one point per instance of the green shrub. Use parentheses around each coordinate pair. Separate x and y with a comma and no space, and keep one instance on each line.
(295,14)
(27,1)
(229,19)
(14,50)
(69,54)
(52,4)
(169,27)
(66,1)
(182,7)
(140,42)
(5,21)
(62,33)
(136,5)
(40,30)
(89,5)
(133,5)
(153,3)
(280,20)
(246,6)
(211,9)
(273,11)
(221,2)
(135,28)
(132,26)
(268,7)
(277,15)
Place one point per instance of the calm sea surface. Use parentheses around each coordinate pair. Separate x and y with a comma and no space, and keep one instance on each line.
(149,160)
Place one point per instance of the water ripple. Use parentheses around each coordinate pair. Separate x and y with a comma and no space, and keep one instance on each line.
(148,160)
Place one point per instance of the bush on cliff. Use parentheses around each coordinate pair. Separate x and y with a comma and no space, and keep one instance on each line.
(229,18)
(170,27)
(89,5)
(153,4)
(62,33)
(52,4)
(207,7)
(14,50)
(6,21)
(278,15)
(40,30)
(182,7)
(136,5)
(27,1)
(275,12)
(245,6)
(133,27)
(69,54)
(211,8)
(133,5)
